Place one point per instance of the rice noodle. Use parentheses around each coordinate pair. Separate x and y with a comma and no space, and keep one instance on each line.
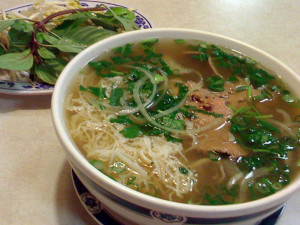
(212,66)
(234,179)
(249,177)
(286,117)
(283,127)
(155,159)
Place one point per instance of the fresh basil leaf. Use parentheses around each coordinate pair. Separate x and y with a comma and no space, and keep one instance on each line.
(45,73)
(56,64)
(23,26)
(17,61)
(79,38)
(79,15)
(115,96)
(2,50)
(123,12)
(49,38)
(68,25)
(50,70)
(4,24)
(124,16)
(45,53)
(19,38)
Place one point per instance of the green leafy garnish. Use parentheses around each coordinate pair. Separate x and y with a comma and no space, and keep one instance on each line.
(214,156)
(131,182)
(183,170)
(97,91)
(122,119)
(17,61)
(98,164)
(132,131)
(32,46)
(219,195)
(180,41)
(115,96)
(172,139)
(215,83)
(77,39)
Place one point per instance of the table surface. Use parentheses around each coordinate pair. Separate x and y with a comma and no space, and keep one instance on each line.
(35,181)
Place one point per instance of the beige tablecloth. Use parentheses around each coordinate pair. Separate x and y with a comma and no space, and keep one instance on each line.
(35,182)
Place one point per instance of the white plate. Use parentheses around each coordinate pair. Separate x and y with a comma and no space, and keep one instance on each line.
(25,88)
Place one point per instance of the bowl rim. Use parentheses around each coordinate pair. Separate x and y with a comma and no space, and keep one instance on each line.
(134,196)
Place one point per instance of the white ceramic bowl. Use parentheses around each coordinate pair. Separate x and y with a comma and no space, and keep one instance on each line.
(141,208)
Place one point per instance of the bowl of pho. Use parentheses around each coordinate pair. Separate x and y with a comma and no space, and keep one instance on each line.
(171,126)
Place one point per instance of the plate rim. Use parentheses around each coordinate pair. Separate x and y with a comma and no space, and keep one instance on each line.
(73,173)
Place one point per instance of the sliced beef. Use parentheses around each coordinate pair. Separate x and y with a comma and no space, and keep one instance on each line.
(216,102)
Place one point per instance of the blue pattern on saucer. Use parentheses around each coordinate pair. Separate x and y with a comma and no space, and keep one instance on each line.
(92,204)
(168,218)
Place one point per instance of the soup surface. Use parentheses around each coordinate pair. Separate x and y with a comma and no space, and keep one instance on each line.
(186,121)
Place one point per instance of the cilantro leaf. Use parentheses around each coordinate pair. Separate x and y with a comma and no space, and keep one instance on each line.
(183,90)
(97,91)
(122,119)
(115,96)
(132,131)
(215,83)
(172,139)
(173,123)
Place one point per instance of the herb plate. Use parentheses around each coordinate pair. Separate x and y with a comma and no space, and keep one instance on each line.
(26,88)
(94,207)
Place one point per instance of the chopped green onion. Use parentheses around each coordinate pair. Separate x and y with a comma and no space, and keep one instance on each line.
(158,78)
(183,170)
(130,182)
(214,156)
(180,41)
(98,164)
